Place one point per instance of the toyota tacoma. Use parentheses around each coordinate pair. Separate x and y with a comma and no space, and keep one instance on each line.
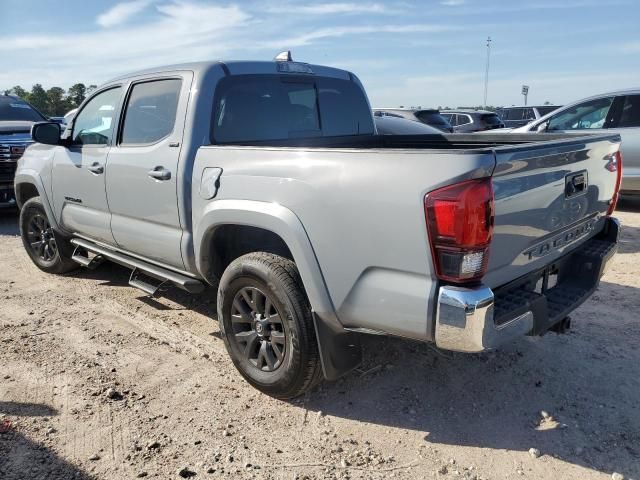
(267,180)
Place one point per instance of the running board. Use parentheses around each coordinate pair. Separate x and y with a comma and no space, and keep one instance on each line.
(140,267)
(85,258)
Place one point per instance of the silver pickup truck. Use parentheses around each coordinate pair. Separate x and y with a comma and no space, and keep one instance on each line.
(268,180)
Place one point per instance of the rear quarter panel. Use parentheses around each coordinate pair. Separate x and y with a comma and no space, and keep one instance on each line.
(363,213)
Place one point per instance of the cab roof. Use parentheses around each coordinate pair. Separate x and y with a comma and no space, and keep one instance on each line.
(233,67)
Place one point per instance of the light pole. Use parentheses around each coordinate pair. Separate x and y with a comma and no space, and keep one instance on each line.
(525,92)
(486,73)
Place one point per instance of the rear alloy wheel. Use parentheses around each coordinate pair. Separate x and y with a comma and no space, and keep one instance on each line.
(40,240)
(258,329)
(266,325)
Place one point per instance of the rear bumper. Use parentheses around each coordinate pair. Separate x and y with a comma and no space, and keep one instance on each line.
(478,319)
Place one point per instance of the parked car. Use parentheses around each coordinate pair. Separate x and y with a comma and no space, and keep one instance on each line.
(427,116)
(615,112)
(16,118)
(272,184)
(387,125)
(469,121)
(514,117)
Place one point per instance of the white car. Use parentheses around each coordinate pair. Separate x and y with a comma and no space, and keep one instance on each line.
(615,112)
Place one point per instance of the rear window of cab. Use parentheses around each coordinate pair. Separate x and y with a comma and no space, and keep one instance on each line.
(278,107)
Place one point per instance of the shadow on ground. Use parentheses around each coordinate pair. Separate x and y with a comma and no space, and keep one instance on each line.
(21,458)
(629,204)
(9,222)
(588,380)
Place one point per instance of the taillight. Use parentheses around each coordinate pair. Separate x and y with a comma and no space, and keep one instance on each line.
(460,223)
(615,165)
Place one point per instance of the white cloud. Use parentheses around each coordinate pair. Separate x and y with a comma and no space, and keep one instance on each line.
(180,31)
(452,3)
(121,12)
(335,32)
(330,8)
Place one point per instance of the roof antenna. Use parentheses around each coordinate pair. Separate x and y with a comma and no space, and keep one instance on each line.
(283,56)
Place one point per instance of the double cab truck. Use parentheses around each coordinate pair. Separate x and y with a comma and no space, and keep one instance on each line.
(268,180)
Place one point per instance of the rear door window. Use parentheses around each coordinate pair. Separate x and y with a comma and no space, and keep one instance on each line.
(272,107)
(151,111)
(464,119)
(491,119)
(528,114)
(630,115)
(449,117)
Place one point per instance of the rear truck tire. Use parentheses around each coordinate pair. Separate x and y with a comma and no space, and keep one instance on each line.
(267,326)
(41,243)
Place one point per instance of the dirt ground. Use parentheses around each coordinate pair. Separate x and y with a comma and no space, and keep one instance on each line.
(99,381)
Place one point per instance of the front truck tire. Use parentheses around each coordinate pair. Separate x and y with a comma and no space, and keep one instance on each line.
(44,248)
(267,326)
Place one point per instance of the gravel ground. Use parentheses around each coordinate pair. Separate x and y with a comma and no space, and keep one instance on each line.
(99,381)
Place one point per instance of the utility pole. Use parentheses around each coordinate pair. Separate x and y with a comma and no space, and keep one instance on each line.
(486,73)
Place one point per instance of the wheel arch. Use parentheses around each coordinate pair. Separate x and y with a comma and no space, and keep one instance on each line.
(279,226)
(28,184)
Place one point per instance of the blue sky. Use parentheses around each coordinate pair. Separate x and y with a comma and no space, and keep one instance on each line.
(428,53)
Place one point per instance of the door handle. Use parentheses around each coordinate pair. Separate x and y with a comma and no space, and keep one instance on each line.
(96,168)
(160,173)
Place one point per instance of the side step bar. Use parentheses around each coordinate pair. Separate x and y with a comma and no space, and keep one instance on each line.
(140,268)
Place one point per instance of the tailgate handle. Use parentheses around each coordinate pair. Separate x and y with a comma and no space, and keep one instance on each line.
(575,183)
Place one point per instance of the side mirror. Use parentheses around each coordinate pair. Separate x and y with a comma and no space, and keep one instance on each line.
(542,127)
(46,132)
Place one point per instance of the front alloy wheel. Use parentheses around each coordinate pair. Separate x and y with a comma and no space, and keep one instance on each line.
(41,243)
(40,237)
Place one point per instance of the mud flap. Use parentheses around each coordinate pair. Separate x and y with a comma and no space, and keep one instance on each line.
(340,350)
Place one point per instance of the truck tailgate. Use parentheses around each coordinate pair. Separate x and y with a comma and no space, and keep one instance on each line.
(549,198)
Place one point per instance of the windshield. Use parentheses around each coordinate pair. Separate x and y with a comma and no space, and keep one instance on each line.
(402,126)
(17,110)
(432,118)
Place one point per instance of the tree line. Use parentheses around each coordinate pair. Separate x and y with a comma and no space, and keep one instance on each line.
(56,101)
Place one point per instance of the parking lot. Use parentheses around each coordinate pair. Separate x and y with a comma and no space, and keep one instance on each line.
(101,381)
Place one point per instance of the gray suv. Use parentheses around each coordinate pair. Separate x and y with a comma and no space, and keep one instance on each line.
(429,116)
(514,117)
(469,121)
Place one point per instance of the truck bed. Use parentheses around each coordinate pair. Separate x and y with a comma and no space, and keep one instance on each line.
(445,141)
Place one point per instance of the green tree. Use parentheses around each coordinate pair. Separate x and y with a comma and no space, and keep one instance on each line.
(38,98)
(18,91)
(57,102)
(76,94)
(91,88)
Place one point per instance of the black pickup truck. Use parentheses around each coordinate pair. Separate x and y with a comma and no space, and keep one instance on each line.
(16,118)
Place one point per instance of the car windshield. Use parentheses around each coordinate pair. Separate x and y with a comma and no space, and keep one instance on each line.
(16,110)
(547,109)
(432,118)
(491,119)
